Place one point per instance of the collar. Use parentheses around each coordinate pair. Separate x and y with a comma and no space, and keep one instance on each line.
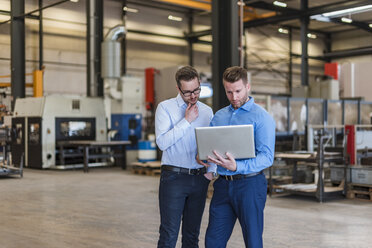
(246,106)
(181,103)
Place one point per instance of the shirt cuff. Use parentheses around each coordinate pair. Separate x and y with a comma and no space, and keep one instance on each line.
(212,168)
(239,167)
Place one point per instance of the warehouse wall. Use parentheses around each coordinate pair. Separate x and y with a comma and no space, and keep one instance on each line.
(268,59)
(354,82)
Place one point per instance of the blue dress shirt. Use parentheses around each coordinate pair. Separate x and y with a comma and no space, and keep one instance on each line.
(264,135)
(175,136)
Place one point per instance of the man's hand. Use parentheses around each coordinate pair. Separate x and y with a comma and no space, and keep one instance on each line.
(209,175)
(228,163)
(201,162)
(191,113)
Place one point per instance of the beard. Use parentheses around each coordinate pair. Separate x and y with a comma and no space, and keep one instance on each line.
(238,103)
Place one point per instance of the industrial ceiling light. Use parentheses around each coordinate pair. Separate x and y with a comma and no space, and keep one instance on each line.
(370,25)
(74,1)
(280,4)
(348,11)
(175,18)
(346,20)
(311,36)
(132,10)
(325,17)
(283,30)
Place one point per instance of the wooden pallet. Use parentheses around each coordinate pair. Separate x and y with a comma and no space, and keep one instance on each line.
(149,168)
(360,191)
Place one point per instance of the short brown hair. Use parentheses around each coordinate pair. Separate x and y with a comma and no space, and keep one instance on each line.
(235,73)
(186,73)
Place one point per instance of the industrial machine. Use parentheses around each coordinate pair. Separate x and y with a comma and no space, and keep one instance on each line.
(39,124)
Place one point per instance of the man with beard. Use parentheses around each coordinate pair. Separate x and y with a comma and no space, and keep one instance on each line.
(183,182)
(240,190)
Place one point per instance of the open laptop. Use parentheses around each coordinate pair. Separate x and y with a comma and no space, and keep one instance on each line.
(237,140)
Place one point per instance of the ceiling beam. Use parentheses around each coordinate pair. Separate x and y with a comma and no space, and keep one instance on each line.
(269,6)
(190,4)
(360,25)
(348,53)
(309,12)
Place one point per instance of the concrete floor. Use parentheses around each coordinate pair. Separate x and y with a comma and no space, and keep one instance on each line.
(109,207)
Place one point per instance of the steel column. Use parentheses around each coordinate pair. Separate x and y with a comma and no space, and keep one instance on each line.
(190,40)
(94,40)
(225,46)
(290,64)
(17,50)
(304,43)
(41,35)
(98,39)
(328,45)
(88,48)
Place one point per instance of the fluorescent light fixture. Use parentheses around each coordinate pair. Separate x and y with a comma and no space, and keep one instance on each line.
(370,25)
(74,1)
(320,18)
(311,36)
(283,30)
(130,10)
(280,4)
(175,18)
(325,17)
(346,20)
(348,11)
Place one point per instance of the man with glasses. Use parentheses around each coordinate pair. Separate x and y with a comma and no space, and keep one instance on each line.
(183,182)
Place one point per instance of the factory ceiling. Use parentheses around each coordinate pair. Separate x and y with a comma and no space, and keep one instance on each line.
(323,17)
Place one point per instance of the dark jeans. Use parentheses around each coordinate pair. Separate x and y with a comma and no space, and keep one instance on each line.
(242,199)
(181,196)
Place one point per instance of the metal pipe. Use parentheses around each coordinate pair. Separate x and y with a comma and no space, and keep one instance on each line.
(115,33)
(124,40)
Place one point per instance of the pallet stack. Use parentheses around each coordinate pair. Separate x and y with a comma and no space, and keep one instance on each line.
(359,191)
(151,168)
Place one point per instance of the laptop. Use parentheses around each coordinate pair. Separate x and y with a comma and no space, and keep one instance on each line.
(237,140)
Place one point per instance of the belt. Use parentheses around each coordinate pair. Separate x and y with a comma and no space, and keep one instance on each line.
(182,170)
(239,176)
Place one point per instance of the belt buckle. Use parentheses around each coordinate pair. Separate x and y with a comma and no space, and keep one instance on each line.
(231,178)
(190,171)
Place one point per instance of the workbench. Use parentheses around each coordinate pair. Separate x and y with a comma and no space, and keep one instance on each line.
(88,145)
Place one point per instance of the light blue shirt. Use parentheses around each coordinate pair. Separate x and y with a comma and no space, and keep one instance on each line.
(264,135)
(175,136)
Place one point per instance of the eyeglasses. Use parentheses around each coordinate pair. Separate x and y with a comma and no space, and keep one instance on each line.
(188,93)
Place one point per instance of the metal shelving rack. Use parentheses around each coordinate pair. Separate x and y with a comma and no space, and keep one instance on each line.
(320,192)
